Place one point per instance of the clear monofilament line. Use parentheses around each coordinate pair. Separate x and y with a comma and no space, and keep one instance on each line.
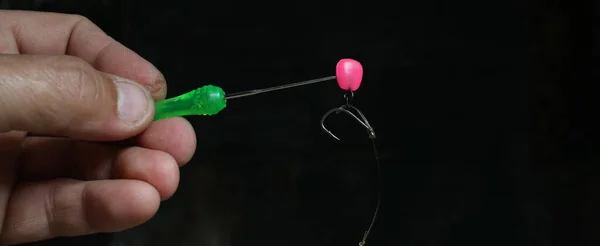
(276,88)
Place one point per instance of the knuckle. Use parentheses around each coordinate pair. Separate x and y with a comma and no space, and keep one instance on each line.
(60,90)
(77,18)
(50,209)
(62,213)
(76,79)
(78,88)
(68,61)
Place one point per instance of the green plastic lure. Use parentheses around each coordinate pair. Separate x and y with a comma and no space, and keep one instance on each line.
(210,100)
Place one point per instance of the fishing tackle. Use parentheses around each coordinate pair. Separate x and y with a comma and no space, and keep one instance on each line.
(210,100)
(349,75)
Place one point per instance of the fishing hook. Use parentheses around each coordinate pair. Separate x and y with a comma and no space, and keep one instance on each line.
(349,75)
(361,119)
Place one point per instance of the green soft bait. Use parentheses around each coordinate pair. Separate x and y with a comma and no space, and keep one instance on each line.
(206,100)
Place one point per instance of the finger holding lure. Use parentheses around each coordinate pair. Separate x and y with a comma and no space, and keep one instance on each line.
(210,100)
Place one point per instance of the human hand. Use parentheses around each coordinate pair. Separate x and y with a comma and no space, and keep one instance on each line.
(60,75)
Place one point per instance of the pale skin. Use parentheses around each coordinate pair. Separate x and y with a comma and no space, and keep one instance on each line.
(59,76)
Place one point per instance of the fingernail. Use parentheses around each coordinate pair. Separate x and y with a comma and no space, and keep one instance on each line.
(132,102)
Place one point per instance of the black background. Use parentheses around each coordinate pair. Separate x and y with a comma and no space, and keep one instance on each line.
(484,111)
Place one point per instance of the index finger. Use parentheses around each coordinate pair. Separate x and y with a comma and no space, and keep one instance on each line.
(63,34)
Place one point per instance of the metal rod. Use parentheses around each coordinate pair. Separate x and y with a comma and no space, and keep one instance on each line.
(276,88)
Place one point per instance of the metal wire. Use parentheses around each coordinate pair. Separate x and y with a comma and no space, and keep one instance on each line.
(276,88)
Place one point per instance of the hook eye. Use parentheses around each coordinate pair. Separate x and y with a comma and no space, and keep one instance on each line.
(349,96)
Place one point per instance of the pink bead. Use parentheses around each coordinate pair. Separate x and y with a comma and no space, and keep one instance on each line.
(349,74)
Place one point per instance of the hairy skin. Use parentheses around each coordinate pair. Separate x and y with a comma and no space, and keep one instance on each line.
(58,77)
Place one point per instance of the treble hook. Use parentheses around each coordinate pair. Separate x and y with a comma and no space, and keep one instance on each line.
(346,109)
(349,76)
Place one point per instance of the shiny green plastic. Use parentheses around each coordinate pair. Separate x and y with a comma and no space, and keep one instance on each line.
(206,100)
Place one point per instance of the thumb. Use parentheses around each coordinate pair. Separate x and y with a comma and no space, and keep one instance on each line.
(65,96)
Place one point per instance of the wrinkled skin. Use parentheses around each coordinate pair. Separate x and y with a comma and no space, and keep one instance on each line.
(58,77)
